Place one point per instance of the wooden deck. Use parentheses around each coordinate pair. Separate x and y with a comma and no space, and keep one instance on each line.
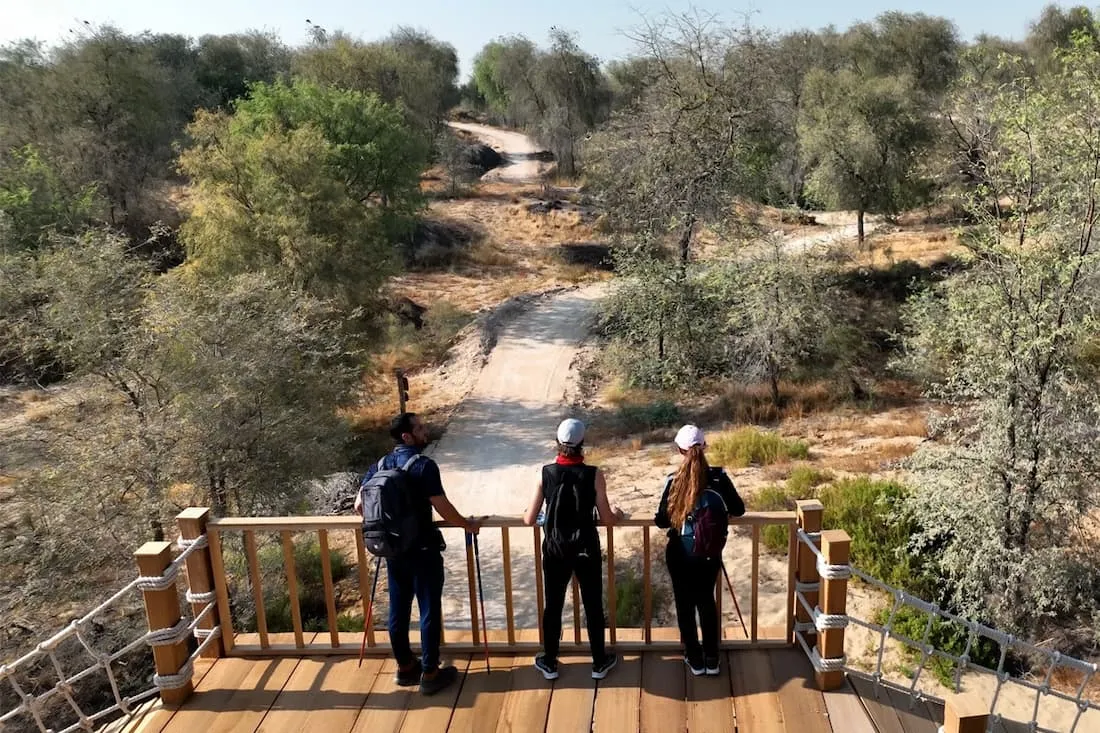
(759,691)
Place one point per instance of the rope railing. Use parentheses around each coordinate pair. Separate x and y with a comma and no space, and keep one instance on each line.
(1007,644)
(41,712)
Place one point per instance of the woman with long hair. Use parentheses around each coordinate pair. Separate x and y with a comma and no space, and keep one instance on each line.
(695,507)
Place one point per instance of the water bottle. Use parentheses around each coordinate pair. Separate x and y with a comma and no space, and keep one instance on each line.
(541,521)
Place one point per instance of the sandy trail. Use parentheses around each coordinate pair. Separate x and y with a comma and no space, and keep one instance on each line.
(517,149)
(498,439)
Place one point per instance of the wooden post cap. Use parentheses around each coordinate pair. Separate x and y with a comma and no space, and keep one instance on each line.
(965,713)
(809,505)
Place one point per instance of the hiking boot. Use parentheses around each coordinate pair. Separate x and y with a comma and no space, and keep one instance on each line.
(600,670)
(408,675)
(713,666)
(548,667)
(440,679)
(695,664)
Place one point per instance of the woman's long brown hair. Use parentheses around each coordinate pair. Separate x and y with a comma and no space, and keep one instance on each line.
(689,482)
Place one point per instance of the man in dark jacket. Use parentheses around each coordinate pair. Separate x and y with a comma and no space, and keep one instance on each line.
(419,572)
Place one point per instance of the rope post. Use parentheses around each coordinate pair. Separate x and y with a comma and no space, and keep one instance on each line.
(836,547)
(965,713)
(162,609)
(809,513)
(200,573)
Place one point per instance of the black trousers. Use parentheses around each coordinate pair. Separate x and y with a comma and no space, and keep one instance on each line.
(556,574)
(693,581)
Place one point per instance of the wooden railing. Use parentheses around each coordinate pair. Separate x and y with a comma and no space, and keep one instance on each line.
(510,639)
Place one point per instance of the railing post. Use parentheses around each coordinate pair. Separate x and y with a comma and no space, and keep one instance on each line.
(835,546)
(162,609)
(200,574)
(806,578)
(965,713)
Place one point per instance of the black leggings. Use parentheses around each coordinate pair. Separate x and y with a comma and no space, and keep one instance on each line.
(556,574)
(693,581)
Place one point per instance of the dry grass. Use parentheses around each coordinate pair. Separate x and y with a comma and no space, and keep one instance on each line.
(40,412)
(924,244)
(871,461)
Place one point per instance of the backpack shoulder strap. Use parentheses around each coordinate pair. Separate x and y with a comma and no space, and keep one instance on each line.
(382,463)
(409,463)
(718,495)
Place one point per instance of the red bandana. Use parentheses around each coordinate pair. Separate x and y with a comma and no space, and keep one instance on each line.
(569,460)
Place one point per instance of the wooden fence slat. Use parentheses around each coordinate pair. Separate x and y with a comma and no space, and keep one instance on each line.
(257,585)
(506,547)
(365,582)
(539,601)
(474,626)
(330,593)
(221,589)
(292,586)
(755,595)
(612,599)
(647,571)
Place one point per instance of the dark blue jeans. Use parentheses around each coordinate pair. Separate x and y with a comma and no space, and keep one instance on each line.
(420,574)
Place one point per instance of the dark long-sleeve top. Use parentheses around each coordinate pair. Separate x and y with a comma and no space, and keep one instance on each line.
(717,480)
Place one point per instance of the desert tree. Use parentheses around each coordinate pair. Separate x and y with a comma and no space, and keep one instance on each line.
(1008,490)
(863,137)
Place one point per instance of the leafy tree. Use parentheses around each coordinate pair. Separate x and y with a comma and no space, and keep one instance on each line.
(35,201)
(454,158)
(779,311)
(1005,498)
(1055,30)
(227,65)
(865,137)
(505,72)
(409,66)
(923,48)
(702,137)
(313,183)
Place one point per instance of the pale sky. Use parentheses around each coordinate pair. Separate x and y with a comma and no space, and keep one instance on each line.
(469,25)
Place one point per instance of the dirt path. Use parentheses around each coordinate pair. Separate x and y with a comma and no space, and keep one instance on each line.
(517,148)
(502,433)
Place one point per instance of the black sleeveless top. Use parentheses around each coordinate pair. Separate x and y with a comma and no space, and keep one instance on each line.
(586,487)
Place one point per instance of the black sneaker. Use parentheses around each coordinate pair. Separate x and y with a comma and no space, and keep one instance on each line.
(548,667)
(409,675)
(713,666)
(600,670)
(695,665)
(442,678)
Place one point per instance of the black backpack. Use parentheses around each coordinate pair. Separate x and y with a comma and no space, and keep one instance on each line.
(390,524)
(569,511)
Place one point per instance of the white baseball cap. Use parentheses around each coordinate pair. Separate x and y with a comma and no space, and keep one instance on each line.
(688,436)
(571,432)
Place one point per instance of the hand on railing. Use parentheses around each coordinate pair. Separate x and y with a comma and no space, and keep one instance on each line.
(473,525)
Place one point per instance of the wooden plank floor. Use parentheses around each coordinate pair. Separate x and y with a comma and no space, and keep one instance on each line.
(758,691)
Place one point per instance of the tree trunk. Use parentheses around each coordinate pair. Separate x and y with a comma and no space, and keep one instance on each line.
(685,241)
(859,226)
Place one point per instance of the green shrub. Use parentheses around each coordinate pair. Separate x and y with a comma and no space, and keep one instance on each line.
(639,418)
(749,446)
(804,479)
(629,597)
(776,498)
(946,636)
(872,513)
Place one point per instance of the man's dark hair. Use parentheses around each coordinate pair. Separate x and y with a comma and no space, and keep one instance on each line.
(400,425)
(571,451)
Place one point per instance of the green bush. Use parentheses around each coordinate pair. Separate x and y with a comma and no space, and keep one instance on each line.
(639,418)
(945,636)
(873,514)
(749,446)
(629,597)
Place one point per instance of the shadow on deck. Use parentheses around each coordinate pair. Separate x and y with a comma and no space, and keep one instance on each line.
(758,691)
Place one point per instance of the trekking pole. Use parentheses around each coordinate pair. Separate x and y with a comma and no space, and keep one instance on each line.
(734,597)
(481,599)
(370,610)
